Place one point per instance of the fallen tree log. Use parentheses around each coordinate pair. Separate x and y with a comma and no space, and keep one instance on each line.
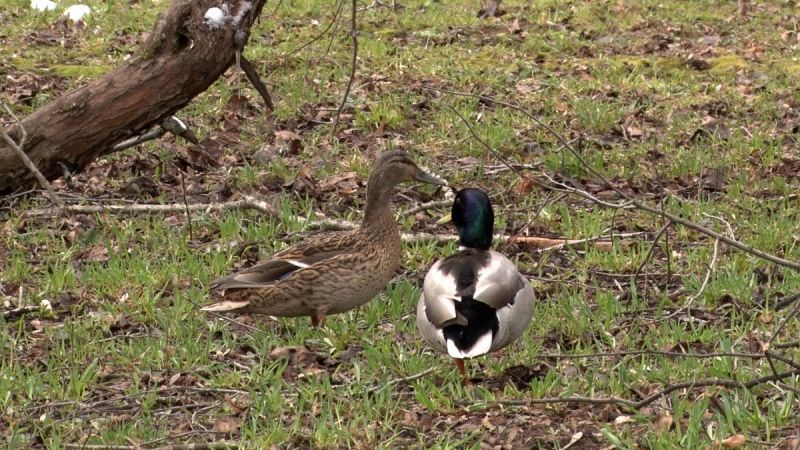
(183,56)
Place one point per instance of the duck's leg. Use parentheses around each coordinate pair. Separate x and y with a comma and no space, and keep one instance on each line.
(463,371)
(318,320)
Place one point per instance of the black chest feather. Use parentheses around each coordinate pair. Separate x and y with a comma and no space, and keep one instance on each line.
(481,318)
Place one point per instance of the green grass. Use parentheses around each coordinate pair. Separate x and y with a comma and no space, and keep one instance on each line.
(126,357)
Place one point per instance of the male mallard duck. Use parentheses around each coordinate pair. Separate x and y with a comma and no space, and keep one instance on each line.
(473,302)
(332,272)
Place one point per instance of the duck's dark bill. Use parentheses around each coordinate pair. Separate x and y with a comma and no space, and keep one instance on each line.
(425,177)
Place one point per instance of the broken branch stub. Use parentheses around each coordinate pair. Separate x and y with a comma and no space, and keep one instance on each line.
(183,56)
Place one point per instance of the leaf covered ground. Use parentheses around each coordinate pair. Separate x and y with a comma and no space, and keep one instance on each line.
(689,106)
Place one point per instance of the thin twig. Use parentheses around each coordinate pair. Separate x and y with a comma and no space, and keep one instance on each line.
(224,317)
(787,345)
(535,216)
(216,445)
(20,150)
(19,311)
(783,359)
(541,243)
(494,152)
(155,133)
(354,62)
(711,266)
(783,324)
(180,435)
(561,187)
(650,251)
(158,390)
(653,353)
(428,205)
(607,245)
(416,376)
(171,124)
(245,202)
(786,301)
(708,382)
(186,205)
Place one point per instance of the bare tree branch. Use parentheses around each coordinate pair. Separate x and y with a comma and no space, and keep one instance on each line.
(245,202)
(252,75)
(248,202)
(353,64)
(19,148)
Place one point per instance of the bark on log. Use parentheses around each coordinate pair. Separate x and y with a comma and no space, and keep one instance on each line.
(182,57)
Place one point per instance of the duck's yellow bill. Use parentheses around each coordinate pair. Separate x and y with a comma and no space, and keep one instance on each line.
(445,219)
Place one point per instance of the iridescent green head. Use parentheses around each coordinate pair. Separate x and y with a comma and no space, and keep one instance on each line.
(473,216)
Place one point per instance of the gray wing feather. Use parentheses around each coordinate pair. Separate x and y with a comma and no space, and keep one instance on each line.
(257,276)
(439,292)
(498,282)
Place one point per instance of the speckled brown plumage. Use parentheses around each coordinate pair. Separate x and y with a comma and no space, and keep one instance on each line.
(329,273)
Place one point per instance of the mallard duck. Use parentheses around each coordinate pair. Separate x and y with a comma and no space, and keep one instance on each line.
(475,301)
(329,272)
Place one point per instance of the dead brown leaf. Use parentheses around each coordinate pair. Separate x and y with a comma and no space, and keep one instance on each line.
(302,362)
(623,420)
(516,27)
(735,441)
(239,104)
(287,135)
(292,139)
(304,183)
(173,379)
(344,184)
(527,86)
(98,253)
(487,423)
(523,186)
(633,131)
(791,443)
(711,127)
(227,425)
(238,403)
(663,423)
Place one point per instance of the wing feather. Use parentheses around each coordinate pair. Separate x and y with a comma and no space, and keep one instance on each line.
(291,260)
(439,291)
(498,282)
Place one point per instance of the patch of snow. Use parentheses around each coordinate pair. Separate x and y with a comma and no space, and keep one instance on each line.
(43,5)
(46,306)
(245,8)
(77,12)
(215,17)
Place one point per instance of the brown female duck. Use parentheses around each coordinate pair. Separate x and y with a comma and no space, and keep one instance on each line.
(333,272)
